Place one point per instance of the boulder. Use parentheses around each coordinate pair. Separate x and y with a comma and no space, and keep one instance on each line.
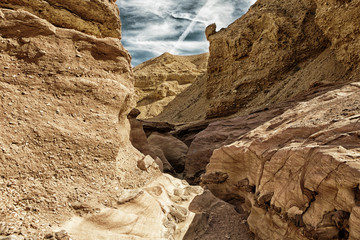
(168,147)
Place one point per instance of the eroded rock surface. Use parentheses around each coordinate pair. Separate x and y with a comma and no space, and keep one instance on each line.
(218,134)
(216,219)
(95,17)
(159,80)
(298,174)
(64,134)
(159,210)
(275,52)
(169,149)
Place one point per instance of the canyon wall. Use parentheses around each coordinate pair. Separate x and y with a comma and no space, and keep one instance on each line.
(298,174)
(66,162)
(158,81)
(99,18)
(293,158)
(275,52)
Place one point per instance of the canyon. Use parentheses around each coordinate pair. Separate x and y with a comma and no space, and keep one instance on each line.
(258,139)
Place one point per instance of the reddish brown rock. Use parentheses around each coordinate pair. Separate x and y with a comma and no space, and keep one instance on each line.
(298,173)
(218,134)
(168,147)
(216,219)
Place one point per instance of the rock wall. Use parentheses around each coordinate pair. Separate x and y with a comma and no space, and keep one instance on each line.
(159,80)
(267,55)
(99,18)
(298,174)
(66,161)
(339,20)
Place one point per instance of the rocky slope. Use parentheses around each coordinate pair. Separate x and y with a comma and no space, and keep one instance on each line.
(159,80)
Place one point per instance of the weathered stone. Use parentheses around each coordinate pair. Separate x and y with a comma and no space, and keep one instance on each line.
(96,17)
(174,150)
(304,166)
(159,80)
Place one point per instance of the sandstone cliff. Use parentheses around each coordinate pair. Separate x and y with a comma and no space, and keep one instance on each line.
(159,80)
(298,174)
(99,18)
(66,162)
(275,52)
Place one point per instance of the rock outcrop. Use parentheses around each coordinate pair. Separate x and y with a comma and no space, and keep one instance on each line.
(159,80)
(64,133)
(218,134)
(66,161)
(97,17)
(188,106)
(169,149)
(275,52)
(298,174)
(159,210)
(216,219)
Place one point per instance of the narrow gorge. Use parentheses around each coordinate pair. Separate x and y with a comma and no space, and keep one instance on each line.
(257,139)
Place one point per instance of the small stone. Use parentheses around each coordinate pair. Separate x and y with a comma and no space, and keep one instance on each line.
(62,235)
(145,163)
(49,236)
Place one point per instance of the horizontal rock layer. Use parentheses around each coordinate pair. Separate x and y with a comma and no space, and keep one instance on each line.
(95,17)
(299,173)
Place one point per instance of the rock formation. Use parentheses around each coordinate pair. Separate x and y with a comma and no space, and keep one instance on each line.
(99,18)
(298,174)
(65,154)
(159,80)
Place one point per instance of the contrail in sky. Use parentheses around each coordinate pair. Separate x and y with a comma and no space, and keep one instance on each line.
(187,31)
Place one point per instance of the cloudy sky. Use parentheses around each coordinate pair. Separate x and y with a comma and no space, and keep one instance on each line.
(152,27)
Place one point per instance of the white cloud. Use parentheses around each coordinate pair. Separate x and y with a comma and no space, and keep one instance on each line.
(158,26)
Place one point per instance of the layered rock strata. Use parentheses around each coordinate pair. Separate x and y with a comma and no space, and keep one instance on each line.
(298,174)
(159,80)
(97,17)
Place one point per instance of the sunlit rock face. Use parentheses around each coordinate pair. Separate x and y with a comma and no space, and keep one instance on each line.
(275,52)
(159,80)
(99,18)
(151,28)
(298,174)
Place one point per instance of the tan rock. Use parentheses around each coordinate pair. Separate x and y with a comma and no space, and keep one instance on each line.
(275,52)
(159,80)
(64,134)
(298,173)
(99,17)
(188,106)
(149,214)
(339,20)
